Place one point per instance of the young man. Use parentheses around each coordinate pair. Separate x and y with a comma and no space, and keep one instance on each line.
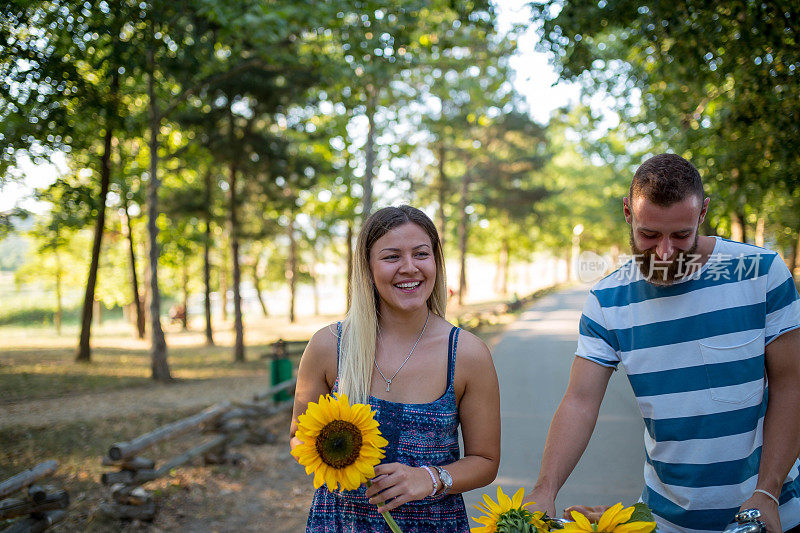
(700,325)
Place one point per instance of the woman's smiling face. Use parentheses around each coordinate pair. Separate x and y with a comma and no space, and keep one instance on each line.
(403,267)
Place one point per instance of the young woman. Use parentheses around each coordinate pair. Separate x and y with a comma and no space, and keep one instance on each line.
(422,376)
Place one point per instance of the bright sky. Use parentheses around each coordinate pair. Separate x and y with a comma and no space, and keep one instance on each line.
(535,80)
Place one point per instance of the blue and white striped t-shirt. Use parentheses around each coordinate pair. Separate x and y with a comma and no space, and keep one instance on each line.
(694,354)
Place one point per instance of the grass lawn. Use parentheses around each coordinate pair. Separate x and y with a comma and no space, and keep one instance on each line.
(37,363)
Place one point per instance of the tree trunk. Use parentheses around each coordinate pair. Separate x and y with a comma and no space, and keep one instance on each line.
(158,346)
(441,189)
(84,348)
(223,286)
(504,264)
(291,274)
(207,263)
(737,227)
(98,312)
(795,259)
(369,169)
(127,230)
(146,300)
(257,285)
(314,285)
(185,287)
(238,326)
(59,306)
(349,238)
(463,229)
(758,238)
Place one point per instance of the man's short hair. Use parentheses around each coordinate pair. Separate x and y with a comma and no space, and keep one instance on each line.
(665,179)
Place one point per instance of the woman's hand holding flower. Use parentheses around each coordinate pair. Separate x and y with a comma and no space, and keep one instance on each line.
(395,484)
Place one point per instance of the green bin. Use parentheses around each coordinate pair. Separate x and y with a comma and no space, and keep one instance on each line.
(280,370)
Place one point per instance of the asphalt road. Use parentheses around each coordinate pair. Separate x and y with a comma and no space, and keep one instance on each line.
(533,360)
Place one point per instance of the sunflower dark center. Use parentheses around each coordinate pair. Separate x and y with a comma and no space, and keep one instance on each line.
(339,444)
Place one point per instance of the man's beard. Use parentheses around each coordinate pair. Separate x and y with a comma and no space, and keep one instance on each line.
(664,272)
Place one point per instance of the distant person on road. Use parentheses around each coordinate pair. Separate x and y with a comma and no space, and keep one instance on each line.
(701,326)
(423,376)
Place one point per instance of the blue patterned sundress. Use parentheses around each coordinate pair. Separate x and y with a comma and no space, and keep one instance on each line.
(418,434)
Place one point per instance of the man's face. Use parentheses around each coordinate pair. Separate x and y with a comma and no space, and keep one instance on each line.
(664,239)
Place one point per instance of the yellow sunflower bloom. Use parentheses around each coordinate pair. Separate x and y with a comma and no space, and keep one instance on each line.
(341,443)
(507,514)
(613,521)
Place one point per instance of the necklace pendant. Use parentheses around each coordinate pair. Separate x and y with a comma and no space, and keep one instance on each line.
(388,384)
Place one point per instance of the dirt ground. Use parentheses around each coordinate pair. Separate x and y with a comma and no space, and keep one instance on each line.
(268,491)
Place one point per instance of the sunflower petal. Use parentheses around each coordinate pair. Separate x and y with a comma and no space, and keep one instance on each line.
(516,500)
(636,527)
(582,521)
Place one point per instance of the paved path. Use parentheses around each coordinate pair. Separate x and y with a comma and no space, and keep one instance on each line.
(533,360)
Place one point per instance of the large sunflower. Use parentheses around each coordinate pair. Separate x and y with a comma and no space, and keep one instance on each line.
(508,515)
(614,520)
(341,444)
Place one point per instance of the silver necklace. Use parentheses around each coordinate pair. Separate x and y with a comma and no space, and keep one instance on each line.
(389,381)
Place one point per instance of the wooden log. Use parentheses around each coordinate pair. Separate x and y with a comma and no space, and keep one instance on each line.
(134,463)
(124,450)
(243,411)
(123,476)
(28,477)
(231,426)
(7,506)
(38,493)
(145,512)
(38,523)
(260,435)
(233,458)
(286,385)
(13,508)
(131,495)
(145,475)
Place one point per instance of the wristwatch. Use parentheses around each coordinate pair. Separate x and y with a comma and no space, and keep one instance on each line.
(446,479)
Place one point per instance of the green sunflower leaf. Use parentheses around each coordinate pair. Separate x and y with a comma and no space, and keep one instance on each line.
(515,521)
(641,513)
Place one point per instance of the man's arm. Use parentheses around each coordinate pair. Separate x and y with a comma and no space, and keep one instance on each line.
(781,425)
(570,430)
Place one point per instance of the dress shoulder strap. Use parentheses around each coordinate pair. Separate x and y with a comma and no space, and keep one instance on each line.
(452,345)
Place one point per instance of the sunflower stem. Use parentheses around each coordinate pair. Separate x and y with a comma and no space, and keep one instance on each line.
(390,521)
(388,518)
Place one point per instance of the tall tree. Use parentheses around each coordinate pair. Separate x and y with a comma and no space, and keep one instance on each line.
(62,67)
(718,83)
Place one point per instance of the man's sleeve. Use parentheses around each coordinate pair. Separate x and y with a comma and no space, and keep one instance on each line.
(783,304)
(595,341)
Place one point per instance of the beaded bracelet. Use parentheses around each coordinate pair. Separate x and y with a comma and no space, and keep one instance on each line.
(433,479)
(765,493)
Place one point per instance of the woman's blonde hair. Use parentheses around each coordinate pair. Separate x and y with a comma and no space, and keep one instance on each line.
(360,326)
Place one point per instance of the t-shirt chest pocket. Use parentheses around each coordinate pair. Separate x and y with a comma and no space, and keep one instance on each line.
(735,370)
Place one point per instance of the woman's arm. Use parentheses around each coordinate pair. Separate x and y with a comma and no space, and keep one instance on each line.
(478,393)
(315,375)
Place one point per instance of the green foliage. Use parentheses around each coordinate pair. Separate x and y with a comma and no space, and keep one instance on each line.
(276,95)
(641,513)
(716,83)
(516,521)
